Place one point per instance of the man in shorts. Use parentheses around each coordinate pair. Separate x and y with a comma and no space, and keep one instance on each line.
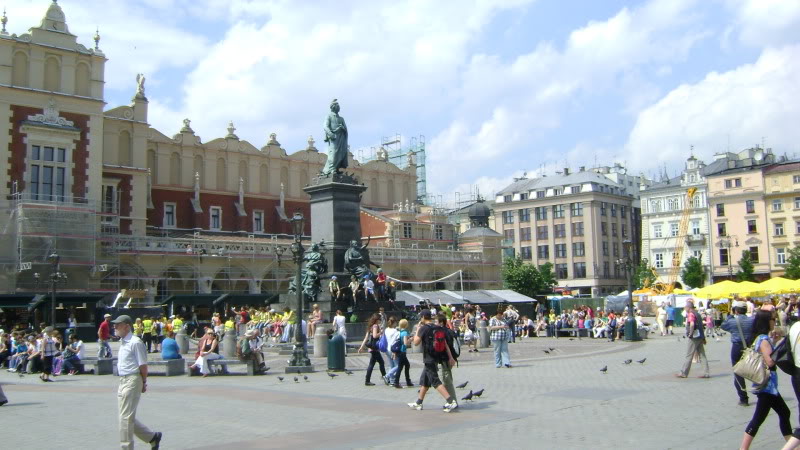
(430,373)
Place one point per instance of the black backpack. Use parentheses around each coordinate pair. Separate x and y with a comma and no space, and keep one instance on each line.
(436,343)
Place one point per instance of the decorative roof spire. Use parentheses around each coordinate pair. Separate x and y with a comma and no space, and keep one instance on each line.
(311,143)
(4,21)
(231,129)
(54,19)
(187,128)
(97,39)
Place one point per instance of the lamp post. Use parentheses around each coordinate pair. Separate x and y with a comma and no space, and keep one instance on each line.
(299,362)
(55,276)
(627,264)
(729,242)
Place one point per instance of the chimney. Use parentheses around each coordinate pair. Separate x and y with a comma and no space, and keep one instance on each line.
(566,170)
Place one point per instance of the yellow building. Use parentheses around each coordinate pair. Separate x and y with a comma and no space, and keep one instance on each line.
(782,197)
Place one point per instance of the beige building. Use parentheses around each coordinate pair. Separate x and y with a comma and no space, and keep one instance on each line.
(782,198)
(738,214)
(576,221)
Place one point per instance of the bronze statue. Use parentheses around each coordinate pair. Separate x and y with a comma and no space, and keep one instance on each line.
(314,265)
(336,137)
(356,260)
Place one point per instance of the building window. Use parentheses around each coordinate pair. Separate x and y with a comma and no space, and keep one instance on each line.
(578,249)
(576,209)
(720,209)
(797,203)
(780,255)
(539,194)
(525,215)
(558,211)
(603,206)
(606,271)
(754,254)
(698,254)
(525,234)
(508,217)
(659,260)
(561,250)
(525,252)
(560,230)
(673,229)
(575,189)
(541,232)
(523,196)
(613,230)
(543,252)
(615,249)
(438,231)
(407,234)
(109,205)
(558,191)
(797,227)
(577,228)
(216,218)
(695,227)
(507,199)
(796,179)
(613,210)
(603,228)
(561,271)
(258,221)
(657,231)
(624,230)
(722,229)
(655,206)
(169,215)
(723,257)
(750,206)
(623,212)
(48,173)
(579,269)
(541,213)
(777,205)
(751,227)
(605,248)
(733,182)
(779,229)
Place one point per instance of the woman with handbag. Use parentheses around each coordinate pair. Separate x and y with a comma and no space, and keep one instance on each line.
(371,342)
(768,395)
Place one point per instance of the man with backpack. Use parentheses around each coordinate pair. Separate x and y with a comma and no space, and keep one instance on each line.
(433,339)
(455,352)
(741,329)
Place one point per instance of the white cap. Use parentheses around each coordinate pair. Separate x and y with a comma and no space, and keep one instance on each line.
(739,304)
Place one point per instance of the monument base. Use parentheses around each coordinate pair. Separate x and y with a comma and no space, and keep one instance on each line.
(300,369)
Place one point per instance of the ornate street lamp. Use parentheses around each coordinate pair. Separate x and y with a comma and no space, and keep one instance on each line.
(56,276)
(627,265)
(299,362)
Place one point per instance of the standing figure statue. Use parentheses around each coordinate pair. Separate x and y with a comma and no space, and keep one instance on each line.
(314,265)
(140,84)
(336,137)
(356,260)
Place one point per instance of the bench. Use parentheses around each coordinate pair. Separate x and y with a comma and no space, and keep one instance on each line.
(172,366)
(250,363)
(103,366)
(577,332)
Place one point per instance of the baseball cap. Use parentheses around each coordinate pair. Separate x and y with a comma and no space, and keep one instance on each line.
(425,314)
(739,304)
(172,316)
(123,319)
(107,315)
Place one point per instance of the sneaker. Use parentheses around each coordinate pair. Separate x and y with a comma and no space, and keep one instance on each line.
(386,380)
(415,405)
(369,383)
(397,386)
(450,406)
(410,384)
(744,403)
(156,441)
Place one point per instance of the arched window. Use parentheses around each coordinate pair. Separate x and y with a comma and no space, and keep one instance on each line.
(199,167)
(20,70)
(222,175)
(83,78)
(373,186)
(263,179)
(152,164)
(175,168)
(124,148)
(52,74)
(655,206)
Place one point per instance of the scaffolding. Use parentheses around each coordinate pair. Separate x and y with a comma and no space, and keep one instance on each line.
(401,157)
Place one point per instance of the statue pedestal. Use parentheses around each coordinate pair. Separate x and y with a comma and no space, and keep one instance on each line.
(335,217)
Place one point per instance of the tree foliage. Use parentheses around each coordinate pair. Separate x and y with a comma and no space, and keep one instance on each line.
(644,275)
(793,264)
(746,269)
(693,273)
(526,279)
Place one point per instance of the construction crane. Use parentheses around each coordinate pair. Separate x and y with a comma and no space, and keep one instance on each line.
(663,288)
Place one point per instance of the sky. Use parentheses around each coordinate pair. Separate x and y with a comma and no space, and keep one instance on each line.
(497,88)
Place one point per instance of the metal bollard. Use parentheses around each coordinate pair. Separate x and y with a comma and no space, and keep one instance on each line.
(321,340)
(483,333)
(229,345)
(183,341)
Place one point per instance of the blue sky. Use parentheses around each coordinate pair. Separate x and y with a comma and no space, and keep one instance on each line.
(497,87)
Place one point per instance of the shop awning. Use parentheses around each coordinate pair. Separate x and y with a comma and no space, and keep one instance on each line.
(12,301)
(67,299)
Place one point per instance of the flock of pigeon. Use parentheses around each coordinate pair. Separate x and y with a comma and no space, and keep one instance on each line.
(626,362)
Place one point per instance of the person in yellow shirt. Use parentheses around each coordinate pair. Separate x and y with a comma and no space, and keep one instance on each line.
(177,324)
(147,325)
(138,327)
(288,320)
(230,325)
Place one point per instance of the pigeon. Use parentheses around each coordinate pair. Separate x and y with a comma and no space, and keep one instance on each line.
(348,372)
(641,361)
(305,377)
(332,375)
(280,379)
(468,396)
(551,349)
(604,369)
(546,351)
(462,385)
(295,380)
(477,393)
(628,361)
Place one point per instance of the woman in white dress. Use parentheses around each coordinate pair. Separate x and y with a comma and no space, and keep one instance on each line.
(339,322)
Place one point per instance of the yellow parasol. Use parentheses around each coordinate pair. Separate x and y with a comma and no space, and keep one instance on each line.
(746,289)
(779,285)
(717,290)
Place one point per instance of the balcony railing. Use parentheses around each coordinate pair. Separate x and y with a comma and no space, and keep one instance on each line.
(695,239)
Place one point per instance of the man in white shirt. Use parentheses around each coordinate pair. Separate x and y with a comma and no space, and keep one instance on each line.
(132,368)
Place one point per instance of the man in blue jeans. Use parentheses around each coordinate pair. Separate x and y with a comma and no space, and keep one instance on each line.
(738,345)
(499,337)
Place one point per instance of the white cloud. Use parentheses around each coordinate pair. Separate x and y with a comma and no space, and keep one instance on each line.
(747,104)
(767,22)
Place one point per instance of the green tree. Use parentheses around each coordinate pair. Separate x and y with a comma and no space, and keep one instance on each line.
(793,264)
(548,278)
(745,272)
(522,277)
(693,273)
(644,274)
